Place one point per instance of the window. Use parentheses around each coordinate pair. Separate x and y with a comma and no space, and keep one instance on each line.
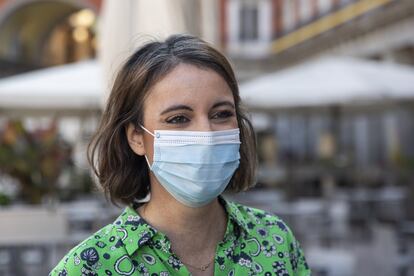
(288,15)
(305,10)
(324,6)
(249,29)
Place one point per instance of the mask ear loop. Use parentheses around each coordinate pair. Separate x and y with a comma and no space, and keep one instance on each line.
(146,130)
(149,132)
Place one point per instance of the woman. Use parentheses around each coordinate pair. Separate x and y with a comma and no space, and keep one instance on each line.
(174,131)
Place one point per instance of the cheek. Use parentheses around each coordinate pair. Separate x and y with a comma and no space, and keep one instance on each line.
(235,123)
(149,147)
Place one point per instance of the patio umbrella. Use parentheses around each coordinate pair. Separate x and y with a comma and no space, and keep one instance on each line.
(127,24)
(71,89)
(330,81)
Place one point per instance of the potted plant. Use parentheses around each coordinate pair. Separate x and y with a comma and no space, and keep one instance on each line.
(34,158)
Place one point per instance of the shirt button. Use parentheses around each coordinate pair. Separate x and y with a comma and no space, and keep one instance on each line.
(158,135)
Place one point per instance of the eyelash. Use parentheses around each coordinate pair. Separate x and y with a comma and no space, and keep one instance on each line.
(224,114)
(182,119)
(177,117)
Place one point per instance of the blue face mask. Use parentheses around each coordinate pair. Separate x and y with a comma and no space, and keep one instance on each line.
(193,166)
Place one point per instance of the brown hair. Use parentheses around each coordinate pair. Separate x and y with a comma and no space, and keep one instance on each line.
(124,175)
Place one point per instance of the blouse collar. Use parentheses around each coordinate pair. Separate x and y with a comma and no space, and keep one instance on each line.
(135,232)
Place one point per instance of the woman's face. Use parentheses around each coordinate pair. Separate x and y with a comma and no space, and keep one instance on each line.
(188,98)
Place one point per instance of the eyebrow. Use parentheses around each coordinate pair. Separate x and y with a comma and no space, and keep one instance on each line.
(176,107)
(185,107)
(223,103)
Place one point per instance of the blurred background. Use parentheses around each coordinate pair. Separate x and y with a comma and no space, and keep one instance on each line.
(330,88)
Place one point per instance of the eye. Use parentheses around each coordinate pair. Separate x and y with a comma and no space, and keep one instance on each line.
(224,114)
(178,119)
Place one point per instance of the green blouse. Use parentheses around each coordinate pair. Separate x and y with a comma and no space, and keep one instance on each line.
(255,243)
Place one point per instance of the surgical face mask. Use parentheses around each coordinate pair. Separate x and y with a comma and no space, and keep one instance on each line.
(193,166)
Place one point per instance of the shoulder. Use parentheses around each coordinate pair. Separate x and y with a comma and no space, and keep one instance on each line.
(87,257)
(257,219)
(269,236)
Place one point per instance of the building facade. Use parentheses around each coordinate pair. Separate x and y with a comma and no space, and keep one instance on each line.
(278,33)
(36,34)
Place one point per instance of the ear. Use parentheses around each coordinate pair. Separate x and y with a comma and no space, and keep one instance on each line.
(135,139)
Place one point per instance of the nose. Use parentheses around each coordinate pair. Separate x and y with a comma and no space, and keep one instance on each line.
(204,124)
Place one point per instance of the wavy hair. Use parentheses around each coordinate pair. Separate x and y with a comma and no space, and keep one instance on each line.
(124,175)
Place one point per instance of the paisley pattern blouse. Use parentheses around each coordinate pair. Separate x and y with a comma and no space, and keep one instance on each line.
(255,243)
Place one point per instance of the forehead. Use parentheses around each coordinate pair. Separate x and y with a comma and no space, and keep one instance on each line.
(188,84)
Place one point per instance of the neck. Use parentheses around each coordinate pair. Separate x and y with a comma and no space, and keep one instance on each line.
(188,228)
